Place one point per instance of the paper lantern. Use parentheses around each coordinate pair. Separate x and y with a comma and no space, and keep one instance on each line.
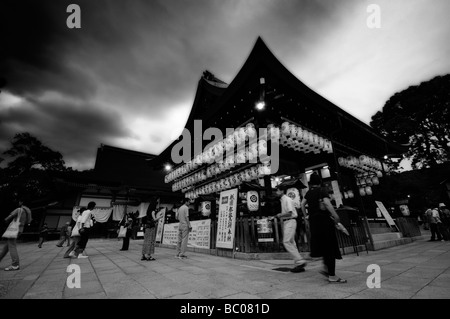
(251,131)
(362,191)
(350,194)
(252,201)
(368,190)
(368,181)
(294,194)
(375,180)
(379,174)
(285,129)
(346,195)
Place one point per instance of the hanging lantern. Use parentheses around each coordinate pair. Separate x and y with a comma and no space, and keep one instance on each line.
(285,129)
(375,180)
(350,194)
(368,181)
(362,191)
(346,195)
(252,201)
(368,190)
(206,208)
(294,194)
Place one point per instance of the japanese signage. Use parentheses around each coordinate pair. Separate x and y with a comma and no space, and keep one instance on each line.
(264,230)
(199,237)
(160,226)
(226,219)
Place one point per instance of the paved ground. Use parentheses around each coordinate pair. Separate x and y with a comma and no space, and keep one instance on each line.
(417,270)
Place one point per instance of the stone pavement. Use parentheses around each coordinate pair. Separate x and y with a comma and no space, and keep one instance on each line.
(420,269)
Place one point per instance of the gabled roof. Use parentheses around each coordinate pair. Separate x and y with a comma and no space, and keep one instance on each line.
(312,107)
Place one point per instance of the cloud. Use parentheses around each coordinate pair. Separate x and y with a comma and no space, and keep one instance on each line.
(74,128)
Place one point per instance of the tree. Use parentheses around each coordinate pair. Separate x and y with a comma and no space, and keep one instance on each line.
(27,174)
(419,117)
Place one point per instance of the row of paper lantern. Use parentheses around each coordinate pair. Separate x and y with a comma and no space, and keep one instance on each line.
(368,180)
(234,180)
(302,140)
(252,198)
(362,164)
(215,152)
(243,156)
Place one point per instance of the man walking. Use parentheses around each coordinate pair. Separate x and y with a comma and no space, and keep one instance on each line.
(183,229)
(433,220)
(86,224)
(288,216)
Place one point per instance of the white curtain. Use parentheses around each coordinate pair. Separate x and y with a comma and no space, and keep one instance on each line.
(102,215)
(118,212)
(143,209)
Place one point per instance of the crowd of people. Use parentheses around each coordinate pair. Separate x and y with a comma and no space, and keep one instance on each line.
(316,205)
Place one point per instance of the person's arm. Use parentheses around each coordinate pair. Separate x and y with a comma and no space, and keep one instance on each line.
(187,218)
(330,208)
(11,216)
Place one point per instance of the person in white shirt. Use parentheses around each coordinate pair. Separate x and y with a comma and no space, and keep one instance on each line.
(288,216)
(183,229)
(86,225)
(75,235)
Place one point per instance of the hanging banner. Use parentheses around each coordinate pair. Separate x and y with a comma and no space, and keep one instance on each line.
(294,194)
(252,201)
(101,214)
(199,237)
(265,232)
(160,226)
(227,218)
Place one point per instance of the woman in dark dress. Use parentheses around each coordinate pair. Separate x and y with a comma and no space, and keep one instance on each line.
(322,222)
(127,222)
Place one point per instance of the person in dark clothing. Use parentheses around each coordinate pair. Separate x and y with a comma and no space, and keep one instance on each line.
(128,223)
(323,219)
(43,234)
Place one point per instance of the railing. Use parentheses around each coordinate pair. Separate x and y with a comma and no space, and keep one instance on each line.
(247,239)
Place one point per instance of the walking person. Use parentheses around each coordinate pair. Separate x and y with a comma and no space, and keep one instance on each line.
(150,222)
(444,215)
(127,222)
(75,235)
(433,220)
(183,229)
(64,235)
(86,225)
(17,220)
(323,223)
(288,216)
(43,233)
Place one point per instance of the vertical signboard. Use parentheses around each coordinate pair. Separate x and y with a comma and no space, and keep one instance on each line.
(160,226)
(226,219)
(265,232)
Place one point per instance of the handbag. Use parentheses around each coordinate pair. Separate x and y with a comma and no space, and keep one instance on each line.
(13,228)
(122,232)
(75,231)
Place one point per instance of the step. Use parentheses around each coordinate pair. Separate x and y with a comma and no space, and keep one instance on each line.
(386,236)
(391,243)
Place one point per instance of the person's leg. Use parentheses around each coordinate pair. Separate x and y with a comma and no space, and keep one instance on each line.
(146,245)
(289,229)
(184,243)
(433,231)
(71,247)
(12,243)
(125,243)
(152,241)
(41,241)
(81,244)
(68,241)
(330,265)
(180,240)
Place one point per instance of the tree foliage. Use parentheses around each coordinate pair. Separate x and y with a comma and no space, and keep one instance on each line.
(27,174)
(420,117)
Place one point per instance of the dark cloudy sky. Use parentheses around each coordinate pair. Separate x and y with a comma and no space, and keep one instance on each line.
(127,78)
